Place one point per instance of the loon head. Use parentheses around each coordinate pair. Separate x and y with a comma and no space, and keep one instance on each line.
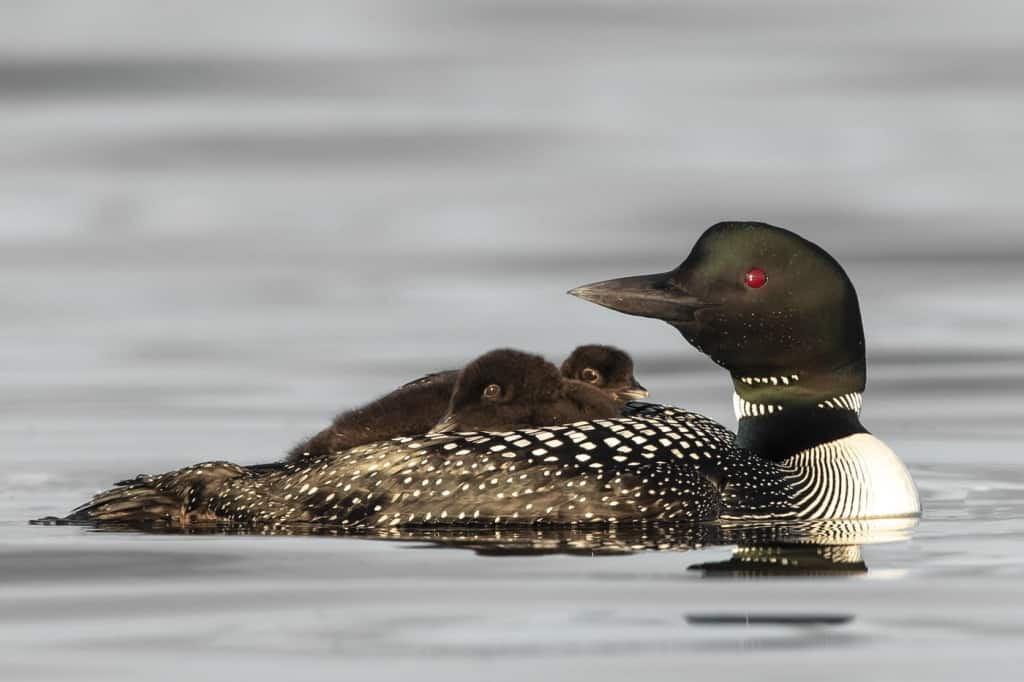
(508,389)
(773,308)
(606,368)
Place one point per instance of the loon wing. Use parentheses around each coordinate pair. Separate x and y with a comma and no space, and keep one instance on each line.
(606,470)
(752,488)
(667,465)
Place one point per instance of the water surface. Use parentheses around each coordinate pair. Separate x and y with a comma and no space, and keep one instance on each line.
(220,225)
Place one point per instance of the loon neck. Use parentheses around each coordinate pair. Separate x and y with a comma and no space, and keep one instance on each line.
(778,430)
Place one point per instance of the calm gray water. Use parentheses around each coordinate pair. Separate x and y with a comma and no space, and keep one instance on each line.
(220,223)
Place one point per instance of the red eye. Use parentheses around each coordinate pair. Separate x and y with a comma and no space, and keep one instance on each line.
(756,278)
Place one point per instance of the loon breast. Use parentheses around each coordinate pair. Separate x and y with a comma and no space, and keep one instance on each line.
(857,476)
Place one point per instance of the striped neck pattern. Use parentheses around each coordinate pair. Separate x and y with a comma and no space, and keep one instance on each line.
(742,407)
(849,478)
(848,401)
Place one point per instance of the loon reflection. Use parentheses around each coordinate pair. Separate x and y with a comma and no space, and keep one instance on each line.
(809,548)
(796,549)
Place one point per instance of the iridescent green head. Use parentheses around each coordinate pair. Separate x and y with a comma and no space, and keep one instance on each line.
(773,308)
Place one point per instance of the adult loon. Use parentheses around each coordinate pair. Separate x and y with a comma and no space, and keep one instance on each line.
(415,407)
(781,315)
(771,307)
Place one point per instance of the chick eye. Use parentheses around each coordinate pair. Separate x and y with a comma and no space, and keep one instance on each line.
(755,278)
(492,391)
(591,376)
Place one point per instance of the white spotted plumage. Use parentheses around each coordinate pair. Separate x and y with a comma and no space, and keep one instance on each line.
(656,463)
(588,472)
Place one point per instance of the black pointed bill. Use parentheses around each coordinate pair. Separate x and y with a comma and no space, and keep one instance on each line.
(643,295)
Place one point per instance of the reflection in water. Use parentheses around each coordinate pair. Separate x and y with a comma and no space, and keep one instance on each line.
(788,559)
(812,548)
(769,619)
(808,548)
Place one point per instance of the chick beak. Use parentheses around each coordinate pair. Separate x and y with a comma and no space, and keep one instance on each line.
(634,392)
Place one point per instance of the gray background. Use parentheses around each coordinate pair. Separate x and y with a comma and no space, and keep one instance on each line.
(222,222)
